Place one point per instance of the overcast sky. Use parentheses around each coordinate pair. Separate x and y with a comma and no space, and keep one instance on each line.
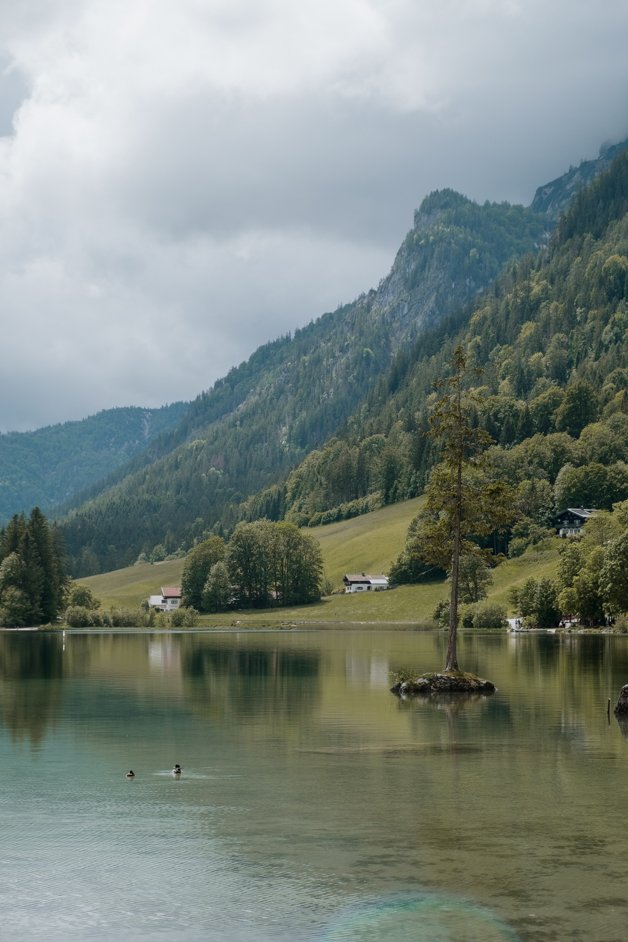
(182,181)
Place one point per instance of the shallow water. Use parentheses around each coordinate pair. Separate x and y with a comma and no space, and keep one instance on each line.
(313,804)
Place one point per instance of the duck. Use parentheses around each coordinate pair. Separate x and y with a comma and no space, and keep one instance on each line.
(130,774)
(177,769)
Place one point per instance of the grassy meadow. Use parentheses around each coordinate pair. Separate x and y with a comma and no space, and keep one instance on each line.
(364,544)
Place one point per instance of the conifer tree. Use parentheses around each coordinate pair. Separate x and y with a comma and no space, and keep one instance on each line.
(462,500)
(32,575)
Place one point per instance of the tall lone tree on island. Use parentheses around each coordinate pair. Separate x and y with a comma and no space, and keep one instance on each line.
(462,499)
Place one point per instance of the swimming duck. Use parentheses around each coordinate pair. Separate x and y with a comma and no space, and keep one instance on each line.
(177,769)
(130,774)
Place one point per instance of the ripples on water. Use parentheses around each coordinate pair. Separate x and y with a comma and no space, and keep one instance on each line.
(313,805)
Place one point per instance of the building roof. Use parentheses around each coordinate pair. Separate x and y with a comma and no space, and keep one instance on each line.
(171,591)
(584,512)
(364,577)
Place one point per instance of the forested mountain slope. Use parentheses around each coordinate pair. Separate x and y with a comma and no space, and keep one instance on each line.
(551,342)
(292,394)
(364,375)
(49,466)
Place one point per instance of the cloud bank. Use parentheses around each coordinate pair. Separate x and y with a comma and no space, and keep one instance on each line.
(182,182)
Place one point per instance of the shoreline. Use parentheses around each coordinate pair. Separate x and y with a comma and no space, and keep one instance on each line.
(296,626)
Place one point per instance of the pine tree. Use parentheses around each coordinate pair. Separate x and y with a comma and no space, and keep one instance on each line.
(462,500)
(32,574)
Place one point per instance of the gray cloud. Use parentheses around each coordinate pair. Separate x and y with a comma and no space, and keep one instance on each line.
(180,183)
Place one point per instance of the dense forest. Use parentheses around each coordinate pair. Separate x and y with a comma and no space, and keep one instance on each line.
(247,432)
(549,340)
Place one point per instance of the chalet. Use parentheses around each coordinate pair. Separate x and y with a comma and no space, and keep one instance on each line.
(364,583)
(169,599)
(571,521)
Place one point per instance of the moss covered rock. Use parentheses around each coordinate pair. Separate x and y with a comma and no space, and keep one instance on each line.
(443,682)
(621,708)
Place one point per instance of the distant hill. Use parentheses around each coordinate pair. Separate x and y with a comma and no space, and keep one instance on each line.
(266,415)
(47,467)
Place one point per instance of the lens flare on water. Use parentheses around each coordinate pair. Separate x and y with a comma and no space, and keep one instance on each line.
(425,918)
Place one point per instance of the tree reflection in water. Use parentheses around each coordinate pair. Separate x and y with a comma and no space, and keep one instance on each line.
(32,680)
(251,681)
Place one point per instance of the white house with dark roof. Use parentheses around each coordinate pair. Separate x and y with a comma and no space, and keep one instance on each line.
(362,582)
(571,521)
(169,599)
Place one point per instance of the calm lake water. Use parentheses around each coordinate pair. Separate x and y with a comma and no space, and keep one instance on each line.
(314,806)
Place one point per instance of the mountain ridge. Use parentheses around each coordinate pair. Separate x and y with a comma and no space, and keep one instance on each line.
(261,419)
(52,464)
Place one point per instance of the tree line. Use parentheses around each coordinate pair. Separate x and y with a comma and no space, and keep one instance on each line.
(591,585)
(33,580)
(262,564)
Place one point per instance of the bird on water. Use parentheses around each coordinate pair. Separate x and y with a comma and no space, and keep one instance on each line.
(177,769)
(130,774)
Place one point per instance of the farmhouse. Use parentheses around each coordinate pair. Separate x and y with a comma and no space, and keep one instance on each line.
(364,583)
(571,521)
(169,599)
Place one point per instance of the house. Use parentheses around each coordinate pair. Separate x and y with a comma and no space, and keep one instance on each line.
(571,521)
(364,583)
(169,599)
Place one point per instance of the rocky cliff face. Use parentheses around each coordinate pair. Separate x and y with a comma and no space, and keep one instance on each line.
(553,198)
(454,251)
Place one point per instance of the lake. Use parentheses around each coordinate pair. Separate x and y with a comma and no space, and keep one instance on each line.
(314,806)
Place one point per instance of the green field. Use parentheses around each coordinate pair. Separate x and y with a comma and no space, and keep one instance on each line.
(127,588)
(364,544)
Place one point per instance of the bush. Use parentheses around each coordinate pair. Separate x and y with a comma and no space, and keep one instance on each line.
(80,616)
(467,618)
(79,596)
(620,626)
(490,615)
(183,617)
(125,618)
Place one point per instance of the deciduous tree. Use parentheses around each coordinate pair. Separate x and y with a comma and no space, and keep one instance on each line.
(614,575)
(196,569)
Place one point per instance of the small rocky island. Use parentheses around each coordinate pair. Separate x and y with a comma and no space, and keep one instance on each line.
(621,707)
(443,682)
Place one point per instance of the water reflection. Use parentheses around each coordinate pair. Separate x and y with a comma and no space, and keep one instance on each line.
(30,657)
(310,796)
(31,671)
(248,680)
(622,722)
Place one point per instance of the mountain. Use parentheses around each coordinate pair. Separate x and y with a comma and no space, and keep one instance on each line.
(47,467)
(553,198)
(246,432)
(363,375)
(550,340)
